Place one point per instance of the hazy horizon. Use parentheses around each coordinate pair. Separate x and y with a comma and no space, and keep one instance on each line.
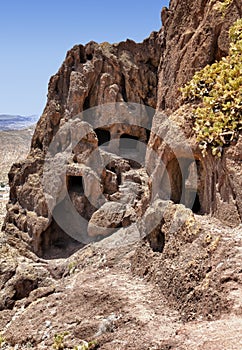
(16,122)
(35,37)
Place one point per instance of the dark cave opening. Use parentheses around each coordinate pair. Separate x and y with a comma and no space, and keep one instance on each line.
(56,244)
(156,239)
(123,86)
(86,104)
(75,184)
(184,183)
(55,241)
(193,186)
(196,208)
(89,56)
(147,135)
(103,136)
(76,191)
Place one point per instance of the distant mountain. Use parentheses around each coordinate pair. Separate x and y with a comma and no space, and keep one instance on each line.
(16,122)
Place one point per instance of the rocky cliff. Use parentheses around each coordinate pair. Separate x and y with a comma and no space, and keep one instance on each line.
(195,35)
(90,76)
(116,183)
(150,74)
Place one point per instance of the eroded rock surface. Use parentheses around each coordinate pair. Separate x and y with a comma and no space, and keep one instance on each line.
(218,181)
(195,34)
(159,275)
(128,295)
(90,76)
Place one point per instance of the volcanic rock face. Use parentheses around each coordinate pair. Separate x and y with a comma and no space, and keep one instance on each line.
(90,76)
(127,196)
(98,74)
(195,34)
(127,72)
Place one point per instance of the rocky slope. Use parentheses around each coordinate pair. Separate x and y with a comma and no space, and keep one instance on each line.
(127,266)
(124,295)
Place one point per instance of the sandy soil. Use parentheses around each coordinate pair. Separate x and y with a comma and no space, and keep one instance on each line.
(97,297)
(14,147)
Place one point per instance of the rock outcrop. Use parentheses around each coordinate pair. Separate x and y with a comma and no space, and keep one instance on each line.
(150,74)
(130,294)
(90,76)
(195,34)
(114,160)
(191,41)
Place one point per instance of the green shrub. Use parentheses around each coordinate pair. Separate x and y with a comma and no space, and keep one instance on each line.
(218,88)
(59,341)
(2,341)
(222,5)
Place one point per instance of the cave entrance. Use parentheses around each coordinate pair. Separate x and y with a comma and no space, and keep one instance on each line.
(67,222)
(147,135)
(128,142)
(103,136)
(56,243)
(156,239)
(193,187)
(76,191)
(75,184)
(184,183)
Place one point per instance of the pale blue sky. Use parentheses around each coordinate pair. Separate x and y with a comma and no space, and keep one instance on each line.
(35,35)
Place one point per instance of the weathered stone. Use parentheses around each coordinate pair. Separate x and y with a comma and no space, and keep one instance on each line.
(189,266)
(173,149)
(195,34)
(106,220)
(110,182)
(90,76)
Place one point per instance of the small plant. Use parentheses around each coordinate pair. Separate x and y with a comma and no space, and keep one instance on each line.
(218,88)
(72,267)
(222,5)
(2,341)
(59,341)
(214,244)
(87,345)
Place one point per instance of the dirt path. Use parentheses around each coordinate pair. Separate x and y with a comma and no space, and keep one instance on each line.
(109,304)
(95,296)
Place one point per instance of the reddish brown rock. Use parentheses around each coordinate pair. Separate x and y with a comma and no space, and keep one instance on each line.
(195,34)
(90,76)
(165,265)
(218,183)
